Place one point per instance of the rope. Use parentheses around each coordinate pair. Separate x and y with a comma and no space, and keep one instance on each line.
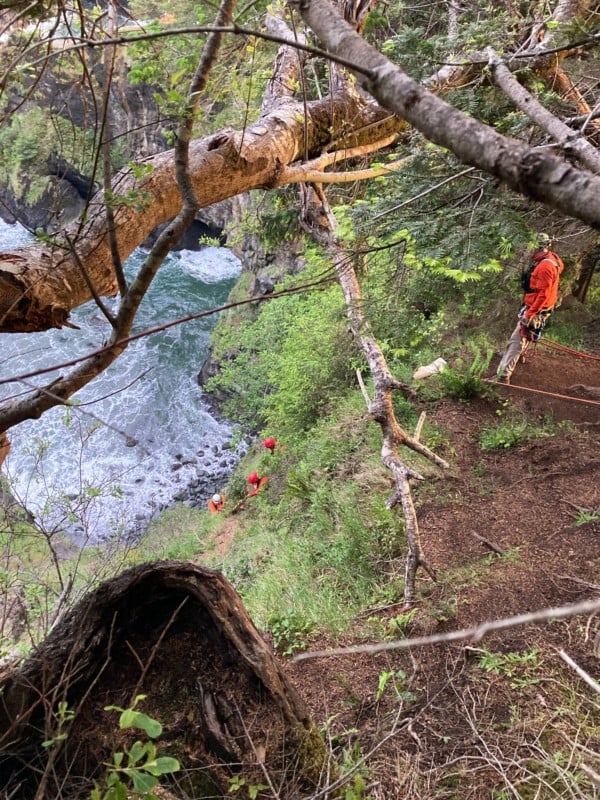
(540,391)
(560,347)
(564,348)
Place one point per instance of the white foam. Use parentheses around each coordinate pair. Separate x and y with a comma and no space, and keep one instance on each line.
(210,265)
(149,398)
(13,236)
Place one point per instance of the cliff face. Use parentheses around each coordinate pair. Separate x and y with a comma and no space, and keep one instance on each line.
(49,135)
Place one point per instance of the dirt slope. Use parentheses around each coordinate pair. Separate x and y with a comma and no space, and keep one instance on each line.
(461,728)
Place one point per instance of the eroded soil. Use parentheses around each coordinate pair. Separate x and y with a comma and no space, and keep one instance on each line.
(509,531)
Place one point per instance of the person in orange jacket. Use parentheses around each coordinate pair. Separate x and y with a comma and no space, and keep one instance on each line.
(216,503)
(540,285)
(256,482)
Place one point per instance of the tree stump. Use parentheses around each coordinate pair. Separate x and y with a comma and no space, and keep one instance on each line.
(179,634)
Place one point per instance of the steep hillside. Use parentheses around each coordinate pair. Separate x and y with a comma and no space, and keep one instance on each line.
(510,531)
(512,528)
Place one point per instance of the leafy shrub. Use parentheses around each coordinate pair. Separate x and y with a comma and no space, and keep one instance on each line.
(289,631)
(286,368)
(516,429)
(507,433)
(465,381)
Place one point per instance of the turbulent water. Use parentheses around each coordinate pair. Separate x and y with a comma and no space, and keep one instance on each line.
(140,436)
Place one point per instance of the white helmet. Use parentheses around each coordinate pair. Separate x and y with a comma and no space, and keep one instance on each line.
(216,498)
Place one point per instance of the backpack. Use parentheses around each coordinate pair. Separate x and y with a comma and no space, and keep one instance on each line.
(526,273)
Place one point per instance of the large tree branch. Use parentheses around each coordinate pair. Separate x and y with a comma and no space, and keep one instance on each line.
(41,283)
(569,141)
(35,404)
(534,173)
(321,226)
(288,64)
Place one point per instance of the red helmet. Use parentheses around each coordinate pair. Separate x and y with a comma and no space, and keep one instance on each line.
(253,477)
(270,443)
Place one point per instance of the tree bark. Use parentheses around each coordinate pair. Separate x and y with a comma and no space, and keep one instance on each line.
(321,226)
(179,634)
(571,142)
(40,284)
(529,171)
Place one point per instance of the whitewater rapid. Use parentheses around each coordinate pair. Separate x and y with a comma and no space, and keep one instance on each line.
(139,437)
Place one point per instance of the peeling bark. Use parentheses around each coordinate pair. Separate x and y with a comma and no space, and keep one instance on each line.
(40,284)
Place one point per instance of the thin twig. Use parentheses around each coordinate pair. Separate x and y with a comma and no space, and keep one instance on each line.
(581,672)
(492,545)
(475,633)
(363,388)
(157,646)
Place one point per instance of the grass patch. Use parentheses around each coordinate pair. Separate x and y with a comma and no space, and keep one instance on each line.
(515,429)
(179,533)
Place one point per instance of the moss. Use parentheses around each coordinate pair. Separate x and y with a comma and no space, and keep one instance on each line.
(312,758)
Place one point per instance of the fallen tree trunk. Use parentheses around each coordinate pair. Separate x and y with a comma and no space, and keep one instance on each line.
(41,283)
(179,634)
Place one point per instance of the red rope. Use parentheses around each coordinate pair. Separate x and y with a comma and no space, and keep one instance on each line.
(540,391)
(566,349)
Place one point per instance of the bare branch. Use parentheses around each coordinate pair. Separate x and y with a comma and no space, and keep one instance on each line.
(311,171)
(569,141)
(581,672)
(474,634)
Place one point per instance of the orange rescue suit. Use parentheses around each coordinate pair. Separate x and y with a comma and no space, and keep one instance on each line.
(215,507)
(544,284)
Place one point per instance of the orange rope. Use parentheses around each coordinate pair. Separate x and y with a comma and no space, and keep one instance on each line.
(540,391)
(566,349)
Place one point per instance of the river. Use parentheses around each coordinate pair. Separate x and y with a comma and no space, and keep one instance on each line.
(140,436)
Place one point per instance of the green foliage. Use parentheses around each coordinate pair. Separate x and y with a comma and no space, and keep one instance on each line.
(586,515)
(514,429)
(521,668)
(321,528)
(180,533)
(63,717)
(28,141)
(286,368)
(423,287)
(135,198)
(135,772)
(289,631)
(398,682)
(465,381)
(400,624)
(236,783)
(312,368)
(355,780)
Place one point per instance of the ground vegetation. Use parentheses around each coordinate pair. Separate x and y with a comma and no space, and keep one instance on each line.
(433,243)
